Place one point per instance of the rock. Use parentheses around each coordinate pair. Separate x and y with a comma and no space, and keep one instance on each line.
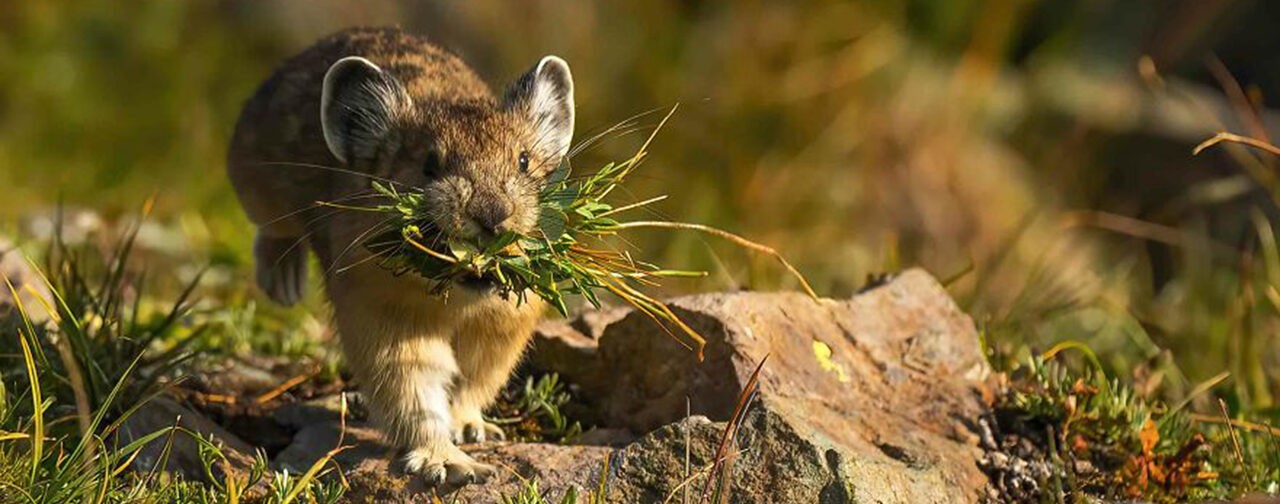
(878,394)
(73,226)
(604,436)
(569,346)
(876,398)
(312,442)
(28,284)
(323,410)
(237,379)
(558,345)
(184,454)
(369,465)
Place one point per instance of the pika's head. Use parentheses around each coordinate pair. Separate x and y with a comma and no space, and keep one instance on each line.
(481,162)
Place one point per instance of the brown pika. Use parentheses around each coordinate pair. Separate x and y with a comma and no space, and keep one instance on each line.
(380,104)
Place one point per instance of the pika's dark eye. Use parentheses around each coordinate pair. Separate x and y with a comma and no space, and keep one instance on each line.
(432,166)
(524,162)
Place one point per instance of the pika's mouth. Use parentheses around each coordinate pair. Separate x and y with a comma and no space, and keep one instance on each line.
(480,284)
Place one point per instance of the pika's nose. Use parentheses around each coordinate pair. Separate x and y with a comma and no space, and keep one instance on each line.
(491,215)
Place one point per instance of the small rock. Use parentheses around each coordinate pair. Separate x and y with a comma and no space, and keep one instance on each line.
(71,225)
(28,284)
(237,379)
(312,442)
(184,455)
(304,414)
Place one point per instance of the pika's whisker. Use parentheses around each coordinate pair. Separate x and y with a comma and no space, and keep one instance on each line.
(379,227)
(331,168)
(305,236)
(352,197)
(625,123)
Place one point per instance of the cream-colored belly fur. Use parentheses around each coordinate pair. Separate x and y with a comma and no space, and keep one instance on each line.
(428,365)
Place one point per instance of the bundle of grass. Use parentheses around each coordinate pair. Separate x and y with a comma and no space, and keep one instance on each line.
(568,254)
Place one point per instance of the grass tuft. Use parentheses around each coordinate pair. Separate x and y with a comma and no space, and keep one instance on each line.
(536,411)
(70,381)
(1106,439)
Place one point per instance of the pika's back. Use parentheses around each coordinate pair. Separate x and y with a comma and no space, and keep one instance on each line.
(280,129)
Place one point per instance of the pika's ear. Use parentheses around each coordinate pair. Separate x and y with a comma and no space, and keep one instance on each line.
(359,106)
(545,93)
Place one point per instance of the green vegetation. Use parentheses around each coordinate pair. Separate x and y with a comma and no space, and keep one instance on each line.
(1038,154)
(531,494)
(96,356)
(535,412)
(566,256)
(1134,447)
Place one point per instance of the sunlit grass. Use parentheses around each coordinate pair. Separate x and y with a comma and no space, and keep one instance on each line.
(1136,447)
(857,137)
(81,373)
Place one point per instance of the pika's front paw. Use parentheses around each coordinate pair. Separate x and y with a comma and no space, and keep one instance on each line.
(446,467)
(477,431)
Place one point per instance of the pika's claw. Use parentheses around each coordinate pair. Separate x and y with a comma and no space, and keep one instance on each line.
(446,468)
(477,432)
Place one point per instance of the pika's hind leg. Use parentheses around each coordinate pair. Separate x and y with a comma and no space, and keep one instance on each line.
(280,266)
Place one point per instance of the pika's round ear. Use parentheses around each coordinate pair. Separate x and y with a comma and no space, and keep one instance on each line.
(545,93)
(359,105)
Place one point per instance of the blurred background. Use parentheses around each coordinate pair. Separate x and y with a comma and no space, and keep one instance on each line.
(1036,155)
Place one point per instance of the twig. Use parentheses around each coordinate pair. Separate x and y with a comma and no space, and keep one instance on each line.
(632,206)
(1136,228)
(1249,426)
(1198,390)
(282,388)
(736,239)
(731,428)
(1234,138)
(1231,429)
(430,252)
(684,499)
(640,154)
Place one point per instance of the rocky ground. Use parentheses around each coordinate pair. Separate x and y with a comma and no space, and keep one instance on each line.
(876,398)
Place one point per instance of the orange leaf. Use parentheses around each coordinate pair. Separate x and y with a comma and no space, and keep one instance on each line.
(1149,437)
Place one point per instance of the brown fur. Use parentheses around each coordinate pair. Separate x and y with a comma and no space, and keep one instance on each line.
(414,354)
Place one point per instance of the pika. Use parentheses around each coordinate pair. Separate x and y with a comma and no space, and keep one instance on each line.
(380,104)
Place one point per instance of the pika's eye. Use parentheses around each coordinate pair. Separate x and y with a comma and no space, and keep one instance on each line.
(524,162)
(432,166)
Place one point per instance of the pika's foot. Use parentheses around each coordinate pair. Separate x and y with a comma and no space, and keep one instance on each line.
(446,467)
(357,405)
(477,431)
